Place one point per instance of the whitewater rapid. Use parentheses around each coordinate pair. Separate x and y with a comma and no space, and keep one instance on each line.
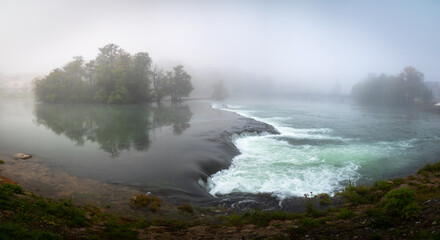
(295,162)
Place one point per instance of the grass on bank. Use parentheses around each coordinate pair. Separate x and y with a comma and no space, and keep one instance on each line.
(430,167)
(382,206)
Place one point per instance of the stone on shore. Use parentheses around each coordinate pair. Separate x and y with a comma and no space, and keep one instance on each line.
(21,156)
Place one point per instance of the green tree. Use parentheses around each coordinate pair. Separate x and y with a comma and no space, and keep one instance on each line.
(111,72)
(74,69)
(113,77)
(139,83)
(89,69)
(414,85)
(180,84)
(161,83)
(60,86)
(405,89)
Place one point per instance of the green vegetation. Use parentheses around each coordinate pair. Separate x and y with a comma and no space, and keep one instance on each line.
(55,213)
(9,230)
(324,199)
(2,162)
(260,218)
(114,229)
(401,202)
(391,201)
(312,211)
(430,167)
(186,208)
(404,89)
(366,195)
(359,195)
(28,210)
(143,200)
(399,208)
(345,213)
(26,216)
(113,77)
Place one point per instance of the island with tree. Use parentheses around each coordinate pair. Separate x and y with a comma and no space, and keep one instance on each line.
(113,77)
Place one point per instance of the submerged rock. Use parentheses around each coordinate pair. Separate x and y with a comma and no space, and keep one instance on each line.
(21,156)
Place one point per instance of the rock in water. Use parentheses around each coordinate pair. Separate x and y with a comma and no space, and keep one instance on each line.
(21,156)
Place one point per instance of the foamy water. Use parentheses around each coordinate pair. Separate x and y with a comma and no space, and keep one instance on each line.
(303,160)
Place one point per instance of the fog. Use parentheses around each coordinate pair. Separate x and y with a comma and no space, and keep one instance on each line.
(277,46)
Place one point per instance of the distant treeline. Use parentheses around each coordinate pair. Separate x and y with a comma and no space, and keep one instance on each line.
(114,76)
(404,89)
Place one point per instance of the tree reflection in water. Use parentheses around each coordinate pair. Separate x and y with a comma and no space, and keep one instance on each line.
(114,128)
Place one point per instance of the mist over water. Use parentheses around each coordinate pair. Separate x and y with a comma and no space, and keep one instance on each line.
(323,146)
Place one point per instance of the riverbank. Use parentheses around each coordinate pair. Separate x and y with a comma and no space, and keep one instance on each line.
(403,208)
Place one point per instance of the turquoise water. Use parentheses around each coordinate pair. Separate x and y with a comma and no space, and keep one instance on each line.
(323,146)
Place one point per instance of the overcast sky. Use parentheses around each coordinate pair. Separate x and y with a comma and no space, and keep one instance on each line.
(309,42)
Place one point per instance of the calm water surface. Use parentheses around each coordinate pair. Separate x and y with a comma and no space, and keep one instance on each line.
(137,145)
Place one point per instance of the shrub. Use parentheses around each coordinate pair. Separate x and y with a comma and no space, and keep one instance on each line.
(63,209)
(382,185)
(235,219)
(423,173)
(430,167)
(324,199)
(142,200)
(356,194)
(6,192)
(345,213)
(312,211)
(186,208)
(411,177)
(8,189)
(401,202)
(411,211)
(155,204)
(139,200)
(398,181)
(260,218)
(115,230)
(367,195)
(2,162)
(309,222)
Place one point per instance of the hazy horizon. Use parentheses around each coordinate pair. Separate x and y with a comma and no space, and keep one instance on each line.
(304,46)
